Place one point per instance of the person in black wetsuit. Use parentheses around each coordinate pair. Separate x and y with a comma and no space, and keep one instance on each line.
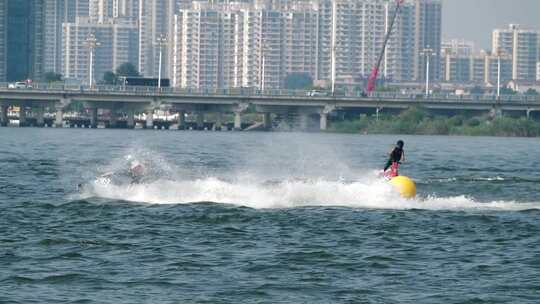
(397,155)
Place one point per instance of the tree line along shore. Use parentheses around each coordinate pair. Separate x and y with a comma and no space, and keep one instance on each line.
(419,121)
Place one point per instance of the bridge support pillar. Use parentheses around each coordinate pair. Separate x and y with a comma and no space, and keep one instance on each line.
(59,120)
(93,117)
(267,121)
(496,112)
(40,119)
(304,118)
(181,120)
(529,113)
(4,119)
(219,122)
(130,118)
(22,116)
(200,121)
(149,119)
(238,121)
(113,120)
(323,125)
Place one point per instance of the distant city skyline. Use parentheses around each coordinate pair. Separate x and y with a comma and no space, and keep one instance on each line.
(259,44)
(475,20)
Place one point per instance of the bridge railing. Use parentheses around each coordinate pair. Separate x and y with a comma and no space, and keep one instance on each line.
(250,92)
(454,98)
(59,87)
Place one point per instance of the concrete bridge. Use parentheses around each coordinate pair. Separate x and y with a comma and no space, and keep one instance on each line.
(44,104)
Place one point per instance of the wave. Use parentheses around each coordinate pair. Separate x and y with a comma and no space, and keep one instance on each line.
(370,193)
(495,179)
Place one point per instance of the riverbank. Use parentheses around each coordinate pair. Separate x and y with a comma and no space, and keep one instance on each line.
(421,122)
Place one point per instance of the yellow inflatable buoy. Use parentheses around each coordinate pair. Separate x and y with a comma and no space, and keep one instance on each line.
(405,186)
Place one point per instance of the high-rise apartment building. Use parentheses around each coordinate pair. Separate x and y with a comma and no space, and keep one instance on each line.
(522,44)
(196,42)
(300,41)
(80,18)
(482,69)
(57,12)
(428,31)
(503,39)
(118,44)
(400,52)
(456,68)
(258,45)
(54,17)
(126,9)
(262,55)
(156,19)
(492,65)
(324,39)
(230,48)
(258,42)
(358,31)
(100,10)
(525,55)
(3,40)
(458,47)
(478,69)
(21,39)
(238,45)
(360,27)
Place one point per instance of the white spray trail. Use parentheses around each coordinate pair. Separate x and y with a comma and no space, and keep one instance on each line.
(276,177)
(369,194)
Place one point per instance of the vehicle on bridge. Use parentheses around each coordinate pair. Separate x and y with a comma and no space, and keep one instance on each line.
(317,93)
(19,85)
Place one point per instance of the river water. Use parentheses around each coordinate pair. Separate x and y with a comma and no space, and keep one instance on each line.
(265,218)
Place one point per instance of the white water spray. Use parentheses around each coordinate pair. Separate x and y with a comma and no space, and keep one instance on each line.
(274,182)
(372,194)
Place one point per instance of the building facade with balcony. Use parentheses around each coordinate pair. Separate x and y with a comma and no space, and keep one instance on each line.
(522,45)
(118,44)
(258,44)
(428,38)
(242,45)
(400,52)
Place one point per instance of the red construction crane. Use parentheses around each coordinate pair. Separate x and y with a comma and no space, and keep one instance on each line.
(373,77)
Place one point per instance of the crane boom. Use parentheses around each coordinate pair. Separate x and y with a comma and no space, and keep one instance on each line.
(373,77)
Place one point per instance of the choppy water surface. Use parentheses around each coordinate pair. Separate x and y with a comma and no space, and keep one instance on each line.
(265,218)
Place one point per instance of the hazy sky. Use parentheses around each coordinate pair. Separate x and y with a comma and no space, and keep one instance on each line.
(475,19)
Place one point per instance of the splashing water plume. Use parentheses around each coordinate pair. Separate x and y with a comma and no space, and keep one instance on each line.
(266,181)
(373,193)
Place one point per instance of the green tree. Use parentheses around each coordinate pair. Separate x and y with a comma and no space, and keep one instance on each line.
(508,91)
(531,92)
(473,122)
(455,121)
(298,81)
(52,77)
(477,90)
(109,78)
(414,115)
(76,105)
(127,70)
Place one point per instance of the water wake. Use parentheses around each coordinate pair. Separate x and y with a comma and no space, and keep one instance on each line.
(280,185)
(370,193)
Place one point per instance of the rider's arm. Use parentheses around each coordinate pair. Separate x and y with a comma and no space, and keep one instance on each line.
(402,156)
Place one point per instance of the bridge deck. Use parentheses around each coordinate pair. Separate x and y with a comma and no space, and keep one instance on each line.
(146,95)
